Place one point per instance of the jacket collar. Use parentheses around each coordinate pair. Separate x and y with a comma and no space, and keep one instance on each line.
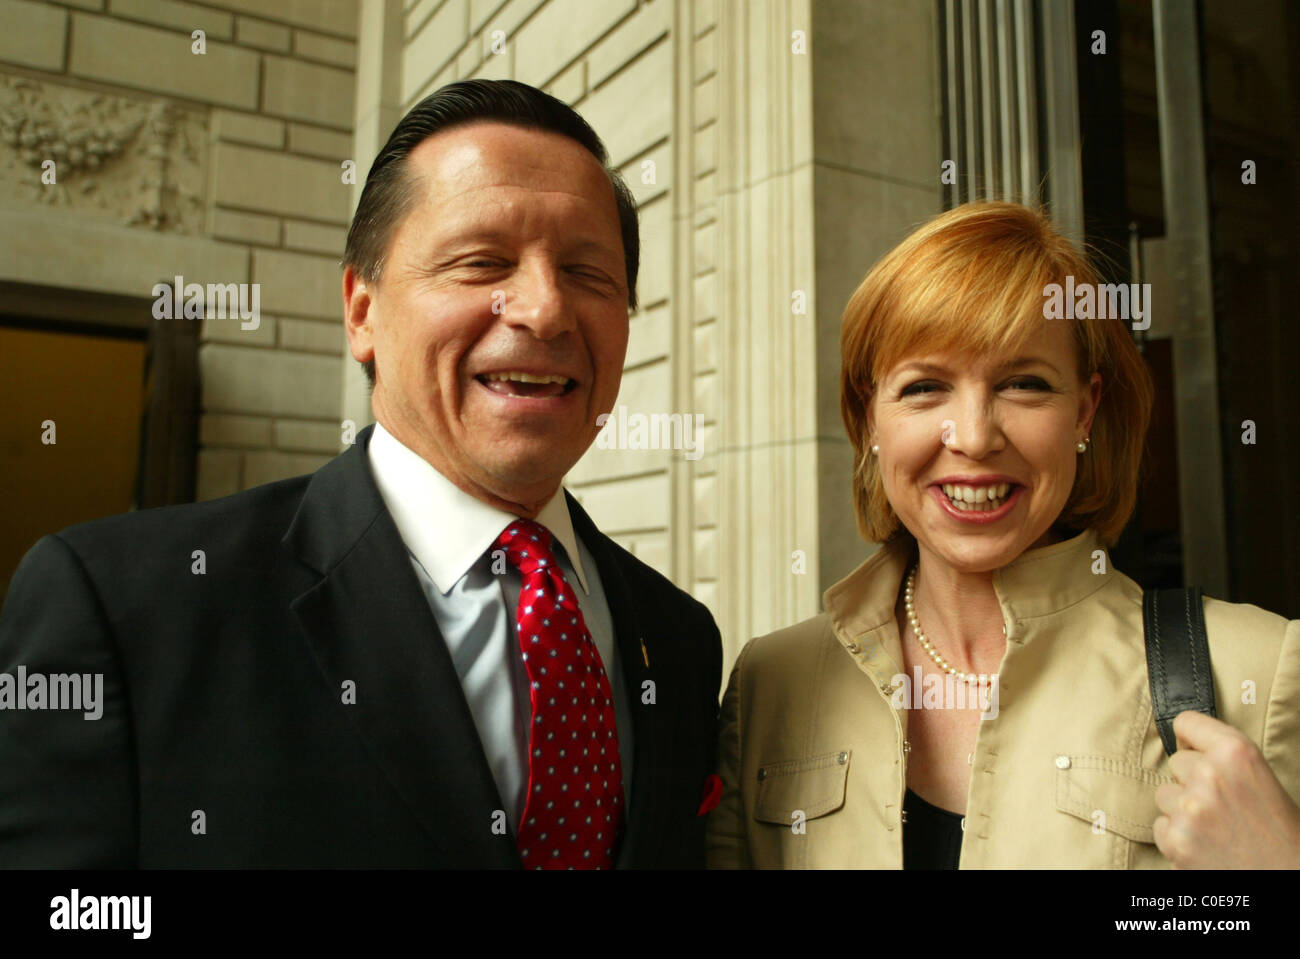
(1037,583)
(368,622)
(371,631)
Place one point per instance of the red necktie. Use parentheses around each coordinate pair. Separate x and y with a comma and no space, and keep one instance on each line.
(574,811)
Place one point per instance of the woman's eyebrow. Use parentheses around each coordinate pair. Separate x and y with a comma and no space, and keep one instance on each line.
(917,366)
(1027,361)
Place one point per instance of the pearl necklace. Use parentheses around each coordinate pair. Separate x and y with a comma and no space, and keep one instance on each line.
(925,643)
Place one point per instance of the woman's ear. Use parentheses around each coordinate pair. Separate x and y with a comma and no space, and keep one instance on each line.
(1089,402)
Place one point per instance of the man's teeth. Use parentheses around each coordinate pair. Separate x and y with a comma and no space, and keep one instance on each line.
(526,378)
(978,499)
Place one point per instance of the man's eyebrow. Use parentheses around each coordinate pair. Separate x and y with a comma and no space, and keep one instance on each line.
(488,235)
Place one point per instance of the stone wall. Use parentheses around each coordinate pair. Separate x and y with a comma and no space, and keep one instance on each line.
(221,166)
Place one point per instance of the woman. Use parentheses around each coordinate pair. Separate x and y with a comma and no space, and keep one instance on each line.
(976,692)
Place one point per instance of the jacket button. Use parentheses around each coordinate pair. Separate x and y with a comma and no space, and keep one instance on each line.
(762,774)
(1062,762)
(842,758)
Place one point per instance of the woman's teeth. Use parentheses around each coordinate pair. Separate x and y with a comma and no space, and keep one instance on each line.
(977,499)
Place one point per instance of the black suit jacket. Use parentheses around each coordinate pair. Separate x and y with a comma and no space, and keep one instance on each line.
(225,738)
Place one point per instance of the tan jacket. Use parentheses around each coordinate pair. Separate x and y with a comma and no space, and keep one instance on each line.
(1065,775)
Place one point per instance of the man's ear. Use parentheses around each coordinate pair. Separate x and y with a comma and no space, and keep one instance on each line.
(358,316)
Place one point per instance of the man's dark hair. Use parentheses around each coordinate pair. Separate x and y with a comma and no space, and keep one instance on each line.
(390,193)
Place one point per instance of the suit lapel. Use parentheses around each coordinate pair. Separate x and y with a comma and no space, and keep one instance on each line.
(368,622)
(652,742)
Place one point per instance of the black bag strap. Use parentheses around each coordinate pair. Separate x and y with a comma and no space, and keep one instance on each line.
(1178,657)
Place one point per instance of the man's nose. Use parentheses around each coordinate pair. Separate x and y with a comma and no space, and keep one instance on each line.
(536,300)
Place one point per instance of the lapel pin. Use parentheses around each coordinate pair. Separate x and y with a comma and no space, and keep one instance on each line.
(645,655)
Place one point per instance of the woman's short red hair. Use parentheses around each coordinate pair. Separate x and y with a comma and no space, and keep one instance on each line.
(971,280)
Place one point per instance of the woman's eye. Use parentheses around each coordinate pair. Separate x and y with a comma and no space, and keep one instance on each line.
(1028,383)
(919,388)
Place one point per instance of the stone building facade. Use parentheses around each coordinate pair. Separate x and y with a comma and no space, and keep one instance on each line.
(774,157)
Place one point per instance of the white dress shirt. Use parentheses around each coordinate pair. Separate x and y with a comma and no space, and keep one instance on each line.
(448,535)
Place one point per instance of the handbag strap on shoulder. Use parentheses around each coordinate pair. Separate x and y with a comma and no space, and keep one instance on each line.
(1178,657)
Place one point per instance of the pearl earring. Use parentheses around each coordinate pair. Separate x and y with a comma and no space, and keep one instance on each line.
(875,450)
(1082,445)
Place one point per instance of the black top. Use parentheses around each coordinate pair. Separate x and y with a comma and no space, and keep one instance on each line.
(931,836)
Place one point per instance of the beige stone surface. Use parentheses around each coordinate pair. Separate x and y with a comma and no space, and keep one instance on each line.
(225,74)
(706,347)
(315,46)
(248,128)
(262,34)
(34,34)
(230,329)
(625,42)
(298,283)
(635,504)
(649,175)
(313,336)
(704,14)
(646,83)
(187,17)
(560,31)
(240,379)
(571,85)
(315,238)
(307,91)
(261,180)
(649,335)
(417,14)
(54,248)
(318,142)
(329,16)
(308,436)
(223,429)
(706,501)
(655,280)
(218,474)
(268,467)
(245,227)
(480,11)
(706,56)
(437,42)
(509,17)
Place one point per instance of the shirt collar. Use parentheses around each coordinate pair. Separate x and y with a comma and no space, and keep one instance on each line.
(1037,583)
(445,528)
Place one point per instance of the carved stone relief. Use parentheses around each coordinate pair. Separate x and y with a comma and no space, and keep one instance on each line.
(134,161)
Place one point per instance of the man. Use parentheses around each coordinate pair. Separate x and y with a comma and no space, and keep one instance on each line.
(424,654)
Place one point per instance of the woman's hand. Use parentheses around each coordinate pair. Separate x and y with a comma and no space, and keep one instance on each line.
(1226,810)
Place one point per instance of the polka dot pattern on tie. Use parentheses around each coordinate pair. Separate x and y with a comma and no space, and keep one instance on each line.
(574,814)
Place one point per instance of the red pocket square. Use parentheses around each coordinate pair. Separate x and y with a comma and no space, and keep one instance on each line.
(712,794)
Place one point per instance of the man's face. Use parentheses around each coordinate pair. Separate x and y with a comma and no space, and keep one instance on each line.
(500,324)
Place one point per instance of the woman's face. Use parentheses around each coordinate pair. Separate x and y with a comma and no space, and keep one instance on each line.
(978,453)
